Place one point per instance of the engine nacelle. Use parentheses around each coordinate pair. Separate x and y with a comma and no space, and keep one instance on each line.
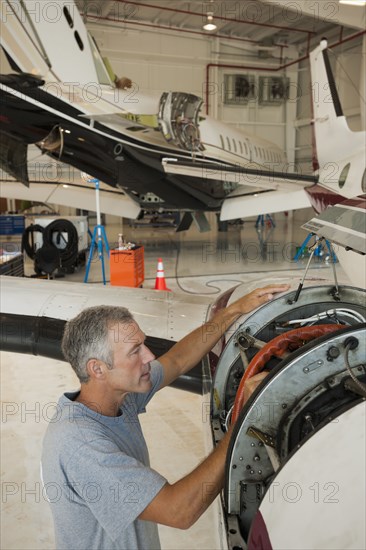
(298,445)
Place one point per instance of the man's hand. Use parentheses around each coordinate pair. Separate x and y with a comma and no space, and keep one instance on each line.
(251,385)
(257,297)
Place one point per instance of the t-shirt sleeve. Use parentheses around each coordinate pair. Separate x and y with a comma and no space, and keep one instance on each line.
(157,373)
(115,487)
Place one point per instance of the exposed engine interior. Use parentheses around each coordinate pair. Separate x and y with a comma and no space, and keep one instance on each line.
(314,350)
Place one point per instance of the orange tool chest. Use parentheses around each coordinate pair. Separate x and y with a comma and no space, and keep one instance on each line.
(127,267)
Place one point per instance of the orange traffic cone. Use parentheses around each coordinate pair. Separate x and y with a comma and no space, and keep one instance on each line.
(160,283)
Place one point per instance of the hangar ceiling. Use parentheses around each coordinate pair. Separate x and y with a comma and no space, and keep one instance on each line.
(264,23)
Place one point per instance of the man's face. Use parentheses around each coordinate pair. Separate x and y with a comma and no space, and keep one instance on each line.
(131,359)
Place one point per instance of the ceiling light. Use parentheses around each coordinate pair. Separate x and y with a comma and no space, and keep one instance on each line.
(210,25)
(353,2)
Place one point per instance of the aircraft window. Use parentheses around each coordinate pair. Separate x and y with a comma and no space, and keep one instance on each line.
(78,40)
(228,143)
(363,182)
(241,147)
(68,17)
(234,144)
(222,142)
(343,176)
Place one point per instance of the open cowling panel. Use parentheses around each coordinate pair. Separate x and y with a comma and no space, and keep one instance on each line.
(312,399)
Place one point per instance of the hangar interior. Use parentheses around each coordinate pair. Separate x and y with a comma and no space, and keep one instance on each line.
(162,47)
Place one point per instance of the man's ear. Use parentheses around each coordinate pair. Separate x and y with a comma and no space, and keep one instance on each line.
(95,368)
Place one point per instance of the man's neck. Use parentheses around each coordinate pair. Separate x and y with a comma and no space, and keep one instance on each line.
(102,401)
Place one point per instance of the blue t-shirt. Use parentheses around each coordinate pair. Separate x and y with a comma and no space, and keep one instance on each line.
(97,476)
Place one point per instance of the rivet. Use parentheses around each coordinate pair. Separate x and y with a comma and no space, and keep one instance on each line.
(240,458)
(256,458)
(305,369)
(252,471)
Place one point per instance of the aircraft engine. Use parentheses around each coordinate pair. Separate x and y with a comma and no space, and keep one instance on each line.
(295,469)
(179,120)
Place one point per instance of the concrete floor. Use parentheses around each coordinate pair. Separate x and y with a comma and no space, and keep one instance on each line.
(175,427)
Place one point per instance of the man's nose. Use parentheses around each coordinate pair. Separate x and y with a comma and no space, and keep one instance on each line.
(147,355)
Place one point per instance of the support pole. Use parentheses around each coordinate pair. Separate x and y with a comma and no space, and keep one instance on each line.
(99,238)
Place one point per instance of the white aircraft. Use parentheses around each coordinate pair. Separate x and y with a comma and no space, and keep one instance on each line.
(152,152)
(294,440)
(160,152)
(289,483)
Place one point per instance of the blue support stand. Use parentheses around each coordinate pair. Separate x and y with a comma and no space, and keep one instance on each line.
(318,249)
(99,237)
(260,220)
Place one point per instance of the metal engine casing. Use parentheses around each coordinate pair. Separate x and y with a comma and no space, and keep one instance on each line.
(301,395)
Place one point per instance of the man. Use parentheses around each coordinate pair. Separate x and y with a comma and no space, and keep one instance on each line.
(95,463)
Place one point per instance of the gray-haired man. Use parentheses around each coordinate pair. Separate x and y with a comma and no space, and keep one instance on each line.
(95,463)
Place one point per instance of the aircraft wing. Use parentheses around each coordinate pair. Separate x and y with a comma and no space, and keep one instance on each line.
(258,191)
(240,174)
(74,194)
(125,119)
(265,202)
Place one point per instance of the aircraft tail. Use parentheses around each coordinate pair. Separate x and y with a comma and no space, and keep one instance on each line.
(50,39)
(333,137)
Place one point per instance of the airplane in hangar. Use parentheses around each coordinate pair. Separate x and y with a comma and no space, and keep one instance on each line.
(150,152)
(273,481)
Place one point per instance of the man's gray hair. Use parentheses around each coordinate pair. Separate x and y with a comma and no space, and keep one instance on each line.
(86,337)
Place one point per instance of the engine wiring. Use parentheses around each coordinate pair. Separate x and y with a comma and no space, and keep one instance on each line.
(358,383)
(329,314)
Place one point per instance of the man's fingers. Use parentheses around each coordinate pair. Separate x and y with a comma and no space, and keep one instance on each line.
(272,289)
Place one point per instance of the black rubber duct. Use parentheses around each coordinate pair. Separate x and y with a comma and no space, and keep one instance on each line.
(42,336)
(56,229)
(28,244)
(32,335)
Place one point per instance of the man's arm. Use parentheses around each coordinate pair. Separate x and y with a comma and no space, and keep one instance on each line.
(186,353)
(181,504)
